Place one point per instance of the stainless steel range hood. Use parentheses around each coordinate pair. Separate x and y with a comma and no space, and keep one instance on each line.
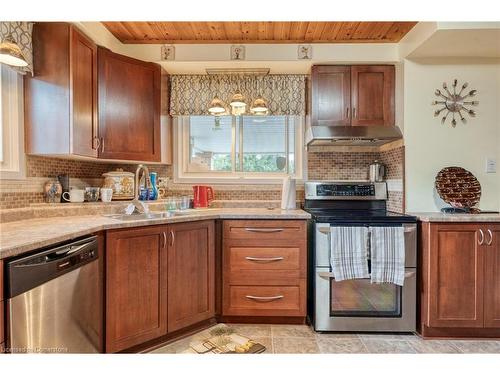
(351,135)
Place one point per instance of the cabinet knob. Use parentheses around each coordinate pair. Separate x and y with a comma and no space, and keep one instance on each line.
(354,112)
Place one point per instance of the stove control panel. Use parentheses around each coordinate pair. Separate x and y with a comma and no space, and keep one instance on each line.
(345,190)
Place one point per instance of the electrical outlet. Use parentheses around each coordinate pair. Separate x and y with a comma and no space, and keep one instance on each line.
(491,165)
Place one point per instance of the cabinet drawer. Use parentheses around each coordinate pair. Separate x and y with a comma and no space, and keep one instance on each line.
(263,231)
(265,300)
(264,258)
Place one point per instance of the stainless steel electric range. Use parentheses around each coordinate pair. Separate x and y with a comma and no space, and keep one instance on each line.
(356,305)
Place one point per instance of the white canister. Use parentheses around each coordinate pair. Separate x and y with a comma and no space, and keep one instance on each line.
(106,194)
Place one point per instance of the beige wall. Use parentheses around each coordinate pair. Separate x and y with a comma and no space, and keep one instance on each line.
(431,146)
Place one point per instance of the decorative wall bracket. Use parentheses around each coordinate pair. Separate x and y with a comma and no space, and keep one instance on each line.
(455,103)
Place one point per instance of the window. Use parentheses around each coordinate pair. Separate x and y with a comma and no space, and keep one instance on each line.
(11,124)
(234,148)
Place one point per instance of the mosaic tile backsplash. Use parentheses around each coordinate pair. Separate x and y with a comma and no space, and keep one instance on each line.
(321,166)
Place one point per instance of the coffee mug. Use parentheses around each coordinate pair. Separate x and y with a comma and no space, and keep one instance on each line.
(74,195)
(106,194)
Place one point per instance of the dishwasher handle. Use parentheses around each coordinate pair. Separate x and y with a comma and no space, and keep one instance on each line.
(28,272)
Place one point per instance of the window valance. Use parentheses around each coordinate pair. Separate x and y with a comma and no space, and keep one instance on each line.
(191,94)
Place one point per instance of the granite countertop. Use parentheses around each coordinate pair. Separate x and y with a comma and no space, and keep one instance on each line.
(18,237)
(456,218)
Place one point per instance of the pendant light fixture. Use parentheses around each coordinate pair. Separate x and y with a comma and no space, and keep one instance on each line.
(10,53)
(216,106)
(259,106)
(238,105)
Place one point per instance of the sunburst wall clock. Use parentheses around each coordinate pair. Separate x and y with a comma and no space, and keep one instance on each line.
(455,103)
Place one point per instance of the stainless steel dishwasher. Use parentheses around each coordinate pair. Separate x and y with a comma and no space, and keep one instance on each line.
(54,300)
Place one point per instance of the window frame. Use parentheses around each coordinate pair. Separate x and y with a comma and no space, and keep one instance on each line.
(182,150)
(12,165)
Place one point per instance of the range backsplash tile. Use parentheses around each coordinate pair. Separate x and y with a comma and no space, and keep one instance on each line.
(321,166)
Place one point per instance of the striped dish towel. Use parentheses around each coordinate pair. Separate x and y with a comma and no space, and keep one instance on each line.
(387,255)
(348,256)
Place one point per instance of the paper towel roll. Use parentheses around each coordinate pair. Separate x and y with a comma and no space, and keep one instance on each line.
(288,195)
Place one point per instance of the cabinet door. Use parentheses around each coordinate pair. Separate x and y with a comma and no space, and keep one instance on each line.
(136,280)
(191,267)
(83,67)
(129,108)
(331,102)
(372,95)
(492,275)
(455,276)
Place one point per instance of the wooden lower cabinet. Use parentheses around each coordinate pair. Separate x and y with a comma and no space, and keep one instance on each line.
(159,279)
(191,274)
(2,310)
(2,328)
(492,278)
(460,283)
(136,286)
(264,268)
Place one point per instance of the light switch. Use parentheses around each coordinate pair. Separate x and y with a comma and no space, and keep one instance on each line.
(491,165)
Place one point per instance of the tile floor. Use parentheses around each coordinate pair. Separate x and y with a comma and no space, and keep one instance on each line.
(302,339)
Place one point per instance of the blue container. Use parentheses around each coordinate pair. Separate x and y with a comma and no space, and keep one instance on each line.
(153,191)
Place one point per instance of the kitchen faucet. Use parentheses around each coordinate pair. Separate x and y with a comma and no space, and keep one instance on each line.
(147,180)
(138,205)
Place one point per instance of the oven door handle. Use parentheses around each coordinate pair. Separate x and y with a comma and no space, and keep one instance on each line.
(329,275)
(327,230)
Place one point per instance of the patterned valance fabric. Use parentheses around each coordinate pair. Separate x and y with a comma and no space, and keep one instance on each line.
(20,32)
(191,94)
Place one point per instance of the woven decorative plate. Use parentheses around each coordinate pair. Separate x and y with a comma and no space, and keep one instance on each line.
(458,187)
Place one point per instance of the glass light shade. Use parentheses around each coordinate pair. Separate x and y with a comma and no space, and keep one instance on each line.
(238,110)
(11,54)
(259,107)
(216,106)
(238,100)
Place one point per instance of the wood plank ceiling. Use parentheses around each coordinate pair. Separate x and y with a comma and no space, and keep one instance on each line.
(259,32)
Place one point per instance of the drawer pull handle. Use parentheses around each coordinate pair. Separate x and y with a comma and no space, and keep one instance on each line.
(264,230)
(264,299)
(257,259)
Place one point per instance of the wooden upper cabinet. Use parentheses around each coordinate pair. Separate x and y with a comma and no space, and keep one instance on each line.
(136,286)
(492,275)
(343,95)
(83,63)
(61,98)
(129,108)
(191,268)
(456,270)
(331,95)
(372,95)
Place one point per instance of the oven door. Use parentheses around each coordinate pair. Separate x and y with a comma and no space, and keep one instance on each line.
(359,305)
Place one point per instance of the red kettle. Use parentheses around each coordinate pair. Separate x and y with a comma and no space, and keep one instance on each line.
(202,196)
